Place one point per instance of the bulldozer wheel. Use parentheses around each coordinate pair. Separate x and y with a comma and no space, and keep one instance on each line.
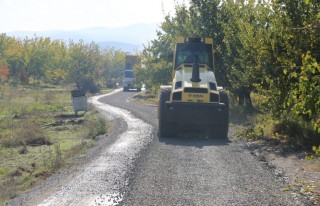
(221,130)
(165,129)
(225,122)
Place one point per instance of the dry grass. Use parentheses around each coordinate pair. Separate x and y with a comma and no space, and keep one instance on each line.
(8,189)
(146,97)
(39,135)
(25,133)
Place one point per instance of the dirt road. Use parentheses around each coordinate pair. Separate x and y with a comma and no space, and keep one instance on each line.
(200,171)
(133,167)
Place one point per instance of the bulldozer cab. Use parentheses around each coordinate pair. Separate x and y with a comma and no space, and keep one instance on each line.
(190,50)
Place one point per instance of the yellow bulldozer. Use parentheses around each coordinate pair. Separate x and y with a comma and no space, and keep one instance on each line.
(193,101)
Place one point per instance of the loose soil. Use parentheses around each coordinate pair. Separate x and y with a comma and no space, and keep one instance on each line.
(303,175)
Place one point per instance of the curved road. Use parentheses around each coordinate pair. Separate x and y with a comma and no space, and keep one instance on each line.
(199,171)
(132,167)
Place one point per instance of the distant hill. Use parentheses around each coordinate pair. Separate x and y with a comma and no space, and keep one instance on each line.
(128,38)
(131,48)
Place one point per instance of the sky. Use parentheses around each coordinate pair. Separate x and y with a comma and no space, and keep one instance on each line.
(44,15)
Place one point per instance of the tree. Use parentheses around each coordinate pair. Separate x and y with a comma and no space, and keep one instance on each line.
(85,61)
(245,47)
(4,72)
(153,71)
(57,68)
(113,66)
(2,48)
(40,57)
(14,53)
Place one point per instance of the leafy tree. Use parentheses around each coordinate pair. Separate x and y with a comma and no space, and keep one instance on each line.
(2,48)
(85,59)
(113,66)
(269,47)
(245,49)
(57,67)
(35,56)
(295,55)
(4,72)
(14,57)
(153,71)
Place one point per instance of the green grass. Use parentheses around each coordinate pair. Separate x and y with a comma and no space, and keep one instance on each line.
(30,116)
(288,130)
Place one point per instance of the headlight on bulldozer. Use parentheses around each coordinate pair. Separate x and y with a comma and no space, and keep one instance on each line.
(177,96)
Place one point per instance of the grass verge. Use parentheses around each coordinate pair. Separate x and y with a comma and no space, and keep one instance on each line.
(40,134)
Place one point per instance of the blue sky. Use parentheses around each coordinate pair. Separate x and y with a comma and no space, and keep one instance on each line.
(42,15)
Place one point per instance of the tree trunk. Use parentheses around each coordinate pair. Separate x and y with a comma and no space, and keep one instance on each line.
(241,98)
(248,101)
(244,99)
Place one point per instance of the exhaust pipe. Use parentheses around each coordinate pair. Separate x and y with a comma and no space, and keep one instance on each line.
(195,71)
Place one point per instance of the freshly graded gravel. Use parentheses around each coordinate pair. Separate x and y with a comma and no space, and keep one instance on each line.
(199,171)
(134,167)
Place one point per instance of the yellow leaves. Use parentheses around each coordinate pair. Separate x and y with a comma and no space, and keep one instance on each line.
(285,71)
(316,150)
(294,74)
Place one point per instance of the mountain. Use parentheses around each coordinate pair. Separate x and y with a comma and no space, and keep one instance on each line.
(127,38)
(131,48)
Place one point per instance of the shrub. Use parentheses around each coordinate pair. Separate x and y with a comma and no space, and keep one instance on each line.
(96,127)
(57,161)
(297,130)
(25,133)
(88,85)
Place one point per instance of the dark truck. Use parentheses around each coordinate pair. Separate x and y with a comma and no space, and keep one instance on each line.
(128,78)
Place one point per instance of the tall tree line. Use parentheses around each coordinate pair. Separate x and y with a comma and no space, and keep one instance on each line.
(40,59)
(270,47)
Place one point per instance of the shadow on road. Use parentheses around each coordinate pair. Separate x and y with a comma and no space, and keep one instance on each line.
(193,140)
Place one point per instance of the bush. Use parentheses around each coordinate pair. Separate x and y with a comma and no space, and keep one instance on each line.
(88,85)
(57,161)
(96,127)
(297,130)
(25,133)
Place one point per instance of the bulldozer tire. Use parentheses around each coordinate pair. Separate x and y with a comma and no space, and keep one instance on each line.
(221,130)
(165,129)
(224,127)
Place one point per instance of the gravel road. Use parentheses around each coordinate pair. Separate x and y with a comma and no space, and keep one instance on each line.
(132,167)
(199,171)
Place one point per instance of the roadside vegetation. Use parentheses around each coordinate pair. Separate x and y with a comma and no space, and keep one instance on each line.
(40,134)
(39,131)
(268,60)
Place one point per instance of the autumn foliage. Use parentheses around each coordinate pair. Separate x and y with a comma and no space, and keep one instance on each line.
(4,72)
(43,60)
(266,50)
